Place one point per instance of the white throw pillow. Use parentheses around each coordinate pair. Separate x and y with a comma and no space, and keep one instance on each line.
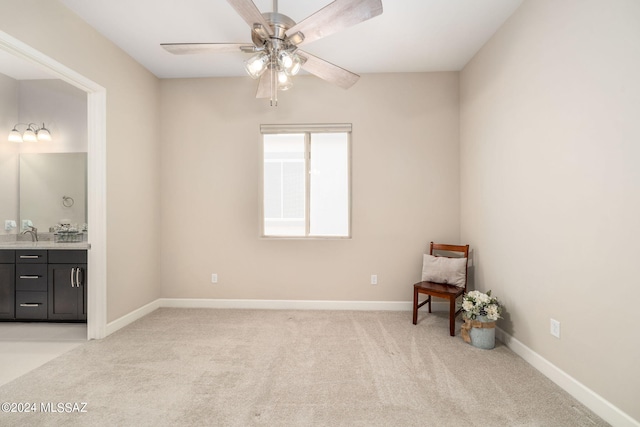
(438,269)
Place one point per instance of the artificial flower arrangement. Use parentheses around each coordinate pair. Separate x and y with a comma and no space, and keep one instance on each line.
(475,304)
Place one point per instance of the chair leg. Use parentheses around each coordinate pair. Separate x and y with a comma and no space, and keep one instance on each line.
(415,306)
(452,317)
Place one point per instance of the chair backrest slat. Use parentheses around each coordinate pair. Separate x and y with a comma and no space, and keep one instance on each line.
(463,249)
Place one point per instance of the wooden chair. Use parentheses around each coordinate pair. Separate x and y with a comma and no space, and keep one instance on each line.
(442,290)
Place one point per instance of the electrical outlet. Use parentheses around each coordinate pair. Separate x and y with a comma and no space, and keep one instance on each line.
(214,278)
(374,279)
(555,328)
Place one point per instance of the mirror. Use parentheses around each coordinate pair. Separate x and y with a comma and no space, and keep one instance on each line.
(53,189)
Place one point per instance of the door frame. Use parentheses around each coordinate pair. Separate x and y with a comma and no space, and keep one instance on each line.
(96,177)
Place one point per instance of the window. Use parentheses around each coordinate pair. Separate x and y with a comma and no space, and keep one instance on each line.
(306,188)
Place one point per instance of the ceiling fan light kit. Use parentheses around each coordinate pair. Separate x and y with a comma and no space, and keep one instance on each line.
(276,39)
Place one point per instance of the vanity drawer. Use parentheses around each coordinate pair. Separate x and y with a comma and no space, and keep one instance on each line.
(67,256)
(25,256)
(31,277)
(31,305)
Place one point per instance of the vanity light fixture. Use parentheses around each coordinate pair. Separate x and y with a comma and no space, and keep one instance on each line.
(32,133)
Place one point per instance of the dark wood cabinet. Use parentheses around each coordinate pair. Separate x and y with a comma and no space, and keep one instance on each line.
(31,306)
(67,293)
(43,285)
(67,296)
(31,277)
(7,284)
(31,285)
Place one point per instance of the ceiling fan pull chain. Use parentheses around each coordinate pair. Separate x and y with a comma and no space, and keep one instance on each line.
(274,86)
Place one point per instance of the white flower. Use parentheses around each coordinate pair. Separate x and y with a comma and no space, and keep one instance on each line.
(483,299)
(473,294)
(467,305)
(476,303)
(492,312)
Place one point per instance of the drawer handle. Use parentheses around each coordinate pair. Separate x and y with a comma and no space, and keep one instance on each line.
(29,256)
(78,277)
(30,277)
(30,304)
(73,284)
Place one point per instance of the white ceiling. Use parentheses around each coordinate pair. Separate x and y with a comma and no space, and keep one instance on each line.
(409,36)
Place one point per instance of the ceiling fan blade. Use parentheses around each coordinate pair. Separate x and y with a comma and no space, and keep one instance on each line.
(327,71)
(187,48)
(264,85)
(250,13)
(334,17)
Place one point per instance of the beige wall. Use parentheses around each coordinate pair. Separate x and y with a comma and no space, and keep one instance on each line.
(62,107)
(405,182)
(132,142)
(9,114)
(550,184)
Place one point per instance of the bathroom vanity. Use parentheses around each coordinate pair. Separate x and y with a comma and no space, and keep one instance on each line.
(43,275)
(43,283)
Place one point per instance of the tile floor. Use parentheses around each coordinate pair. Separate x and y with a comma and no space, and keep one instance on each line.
(26,346)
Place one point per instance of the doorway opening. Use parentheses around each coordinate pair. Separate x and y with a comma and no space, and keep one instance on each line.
(96,176)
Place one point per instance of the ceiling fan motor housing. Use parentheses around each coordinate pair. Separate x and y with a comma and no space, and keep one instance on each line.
(279,24)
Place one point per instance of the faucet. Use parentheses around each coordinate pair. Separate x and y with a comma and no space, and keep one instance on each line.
(34,233)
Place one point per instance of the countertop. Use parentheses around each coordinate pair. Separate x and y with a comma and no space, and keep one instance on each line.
(42,244)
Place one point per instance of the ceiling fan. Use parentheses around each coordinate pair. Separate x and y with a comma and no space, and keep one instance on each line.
(276,39)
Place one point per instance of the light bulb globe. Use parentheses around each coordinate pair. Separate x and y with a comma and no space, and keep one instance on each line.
(14,136)
(29,136)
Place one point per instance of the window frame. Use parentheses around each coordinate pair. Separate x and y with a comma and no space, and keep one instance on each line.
(307,130)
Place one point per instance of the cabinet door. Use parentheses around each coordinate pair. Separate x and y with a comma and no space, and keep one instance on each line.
(7,291)
(81,282)
(66,291)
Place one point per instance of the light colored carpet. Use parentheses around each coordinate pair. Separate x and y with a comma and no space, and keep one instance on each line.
(210,367)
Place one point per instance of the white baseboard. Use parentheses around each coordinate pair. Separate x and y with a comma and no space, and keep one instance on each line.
(286,304)
(603,408)
(132,317)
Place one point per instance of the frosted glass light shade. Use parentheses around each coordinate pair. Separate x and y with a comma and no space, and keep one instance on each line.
(43,134)
(15,136)
(29,136)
